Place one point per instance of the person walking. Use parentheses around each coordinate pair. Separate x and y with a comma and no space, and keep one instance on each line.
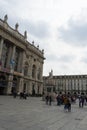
(50,100)
(65,103)
(69,104)
(80,100)
(47,99)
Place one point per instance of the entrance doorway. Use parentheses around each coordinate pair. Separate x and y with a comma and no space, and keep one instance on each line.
(38,90)
(2,84)
(33,90)
(24,88)
(14,85)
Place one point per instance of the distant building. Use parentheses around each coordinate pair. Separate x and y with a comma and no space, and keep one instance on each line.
(74,84)
(21,63)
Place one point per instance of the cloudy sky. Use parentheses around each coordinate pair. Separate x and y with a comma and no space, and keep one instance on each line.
(57,26)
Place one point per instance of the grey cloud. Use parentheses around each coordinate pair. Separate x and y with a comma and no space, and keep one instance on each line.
(10,3)
(76,34)
(84,60)
(62,58)
(66,58)
(39,29)
(50,57)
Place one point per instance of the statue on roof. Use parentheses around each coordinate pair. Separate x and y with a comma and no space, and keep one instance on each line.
(51,74)
(5,18)
(16,26)
(25,34)
(42,51)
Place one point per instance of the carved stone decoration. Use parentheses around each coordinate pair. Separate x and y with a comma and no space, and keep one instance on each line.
(5,18)
(16,26)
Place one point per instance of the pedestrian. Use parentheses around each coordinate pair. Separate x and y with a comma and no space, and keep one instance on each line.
(58,100)
(47,99)
(65,103)
(14,94)
(69,104)
(25,95)
(80,100)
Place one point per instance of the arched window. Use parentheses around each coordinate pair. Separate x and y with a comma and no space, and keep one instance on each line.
(24,88)
(3,81)
(33,71)
(14,82)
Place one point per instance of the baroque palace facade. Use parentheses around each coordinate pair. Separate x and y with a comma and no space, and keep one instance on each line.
(21,63)
(74,84)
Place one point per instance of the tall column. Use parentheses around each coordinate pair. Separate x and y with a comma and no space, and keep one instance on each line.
(1,47)
(75,83)
(30,68)
(41,89)
(23,59)
(10,83)
(13,54)
(9,57)
(41,73)
(21,83)
(19,67)
(36,87)
(86,85)
(31,60)
(30,88)
(82,84)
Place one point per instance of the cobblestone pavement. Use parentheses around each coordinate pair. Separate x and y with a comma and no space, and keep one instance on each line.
(34,114)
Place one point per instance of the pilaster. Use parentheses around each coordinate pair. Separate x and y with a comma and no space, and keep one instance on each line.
(1,45)
(19,68)
(23,59)
(10,83)
(21,83)
(9,57)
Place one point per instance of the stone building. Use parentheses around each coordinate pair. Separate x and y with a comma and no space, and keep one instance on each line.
(21,63)
(75,84)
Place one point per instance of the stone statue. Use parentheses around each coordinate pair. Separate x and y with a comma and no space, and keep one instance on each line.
(42,51)
(25,34)
(5,18)
(16,26)
(33,42)
(38,46)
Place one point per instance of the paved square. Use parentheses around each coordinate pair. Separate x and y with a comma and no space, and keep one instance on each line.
(34,114)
